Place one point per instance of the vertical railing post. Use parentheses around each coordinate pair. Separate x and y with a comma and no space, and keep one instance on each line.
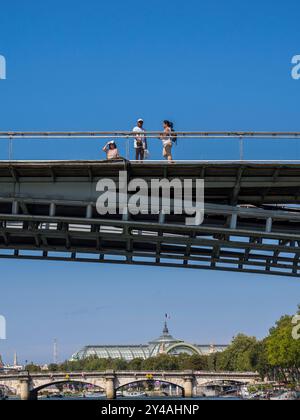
(10,148)
(241,148)
(127,148)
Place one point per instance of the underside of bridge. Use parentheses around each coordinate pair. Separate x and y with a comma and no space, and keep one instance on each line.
(251,224)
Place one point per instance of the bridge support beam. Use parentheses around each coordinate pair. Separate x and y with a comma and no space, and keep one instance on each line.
(24,390)
(110,386)
(33,395)
(188,387)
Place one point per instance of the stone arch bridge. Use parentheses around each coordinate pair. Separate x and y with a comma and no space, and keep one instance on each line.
(28,385)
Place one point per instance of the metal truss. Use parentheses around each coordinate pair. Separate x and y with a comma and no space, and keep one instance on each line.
(38,222)
(230,240)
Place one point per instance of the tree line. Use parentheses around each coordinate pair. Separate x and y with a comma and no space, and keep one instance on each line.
(276,357)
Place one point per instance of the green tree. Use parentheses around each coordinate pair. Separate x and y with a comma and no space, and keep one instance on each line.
(161,362)
(283,350)
(32,368)
(237,357)
(259,359)
(193,362)
(136,364)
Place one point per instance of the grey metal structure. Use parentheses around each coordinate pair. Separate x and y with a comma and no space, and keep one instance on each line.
(252,218)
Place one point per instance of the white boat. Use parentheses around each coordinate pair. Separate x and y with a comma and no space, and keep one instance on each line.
(244,393)
(285,396)
(94,395)
(134,394)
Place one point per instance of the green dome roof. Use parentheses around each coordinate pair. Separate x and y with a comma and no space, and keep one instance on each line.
(163,342)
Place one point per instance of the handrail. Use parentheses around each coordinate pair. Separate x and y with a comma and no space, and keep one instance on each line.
(127,135)
(149,134)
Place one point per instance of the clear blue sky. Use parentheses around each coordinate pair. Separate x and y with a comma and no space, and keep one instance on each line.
(99,65)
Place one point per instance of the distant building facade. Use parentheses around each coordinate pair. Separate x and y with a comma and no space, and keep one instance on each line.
(165,344)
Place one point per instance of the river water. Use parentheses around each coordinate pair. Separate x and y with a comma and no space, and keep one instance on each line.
(142,399)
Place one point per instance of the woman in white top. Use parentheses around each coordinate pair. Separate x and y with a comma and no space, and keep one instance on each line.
(166,139)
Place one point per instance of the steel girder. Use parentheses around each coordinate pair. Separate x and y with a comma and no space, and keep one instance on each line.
(42,216)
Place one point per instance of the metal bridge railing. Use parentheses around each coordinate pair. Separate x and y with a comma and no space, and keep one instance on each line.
(126,135)
(149,134)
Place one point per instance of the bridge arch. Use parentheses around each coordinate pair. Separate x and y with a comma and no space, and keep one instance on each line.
(224,382)
(152,380)
(12,389)
(37,388)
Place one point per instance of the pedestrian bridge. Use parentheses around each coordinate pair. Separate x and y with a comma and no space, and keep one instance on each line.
(28,385)
(251,223)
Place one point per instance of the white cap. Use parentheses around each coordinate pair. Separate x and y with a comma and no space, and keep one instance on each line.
(140,120)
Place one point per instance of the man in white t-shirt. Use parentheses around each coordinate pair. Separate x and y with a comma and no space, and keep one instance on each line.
(140,141)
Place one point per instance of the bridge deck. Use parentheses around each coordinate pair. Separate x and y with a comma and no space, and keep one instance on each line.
(47,211)
(225,182)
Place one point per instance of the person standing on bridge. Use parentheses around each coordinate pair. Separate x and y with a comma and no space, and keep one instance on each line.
(140,142)
(111,151)
(167,140)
